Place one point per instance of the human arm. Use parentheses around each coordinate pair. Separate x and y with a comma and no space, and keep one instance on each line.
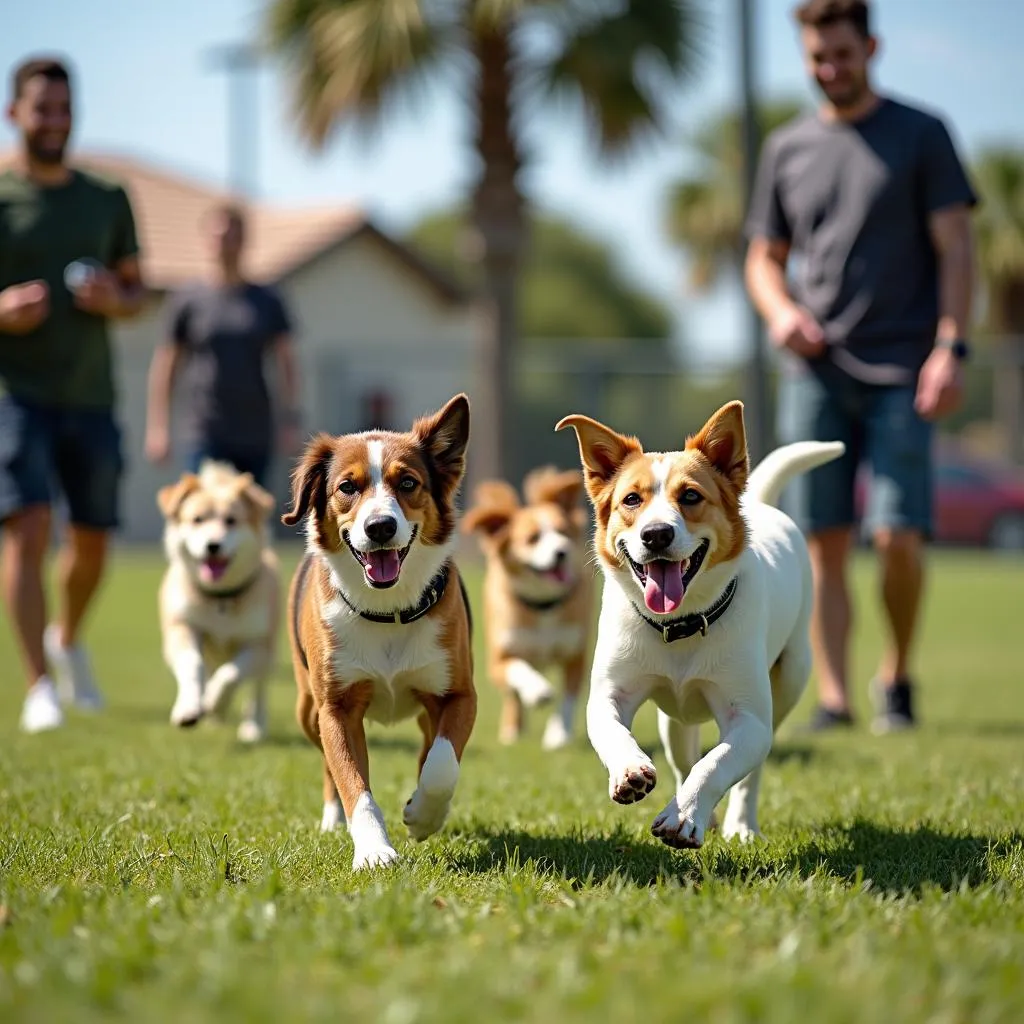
(287,373)
(162,370)
(23,307)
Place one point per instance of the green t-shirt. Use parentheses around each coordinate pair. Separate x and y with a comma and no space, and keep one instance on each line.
(66,361)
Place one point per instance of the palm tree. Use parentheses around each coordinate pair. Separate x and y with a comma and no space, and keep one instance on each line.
(705,212)
(351,58)
(999,179)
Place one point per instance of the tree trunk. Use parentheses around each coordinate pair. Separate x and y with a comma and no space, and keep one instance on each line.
(499,221)
(1008,390)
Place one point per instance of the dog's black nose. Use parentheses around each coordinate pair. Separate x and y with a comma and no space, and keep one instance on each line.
(559,559)
(213,547)
(657,536)
(380,529)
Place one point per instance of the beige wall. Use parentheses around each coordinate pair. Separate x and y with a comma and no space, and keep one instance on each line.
(364,322)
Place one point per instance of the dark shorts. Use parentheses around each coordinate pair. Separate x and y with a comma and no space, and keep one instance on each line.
(48,452)
(880,429)
(252,461)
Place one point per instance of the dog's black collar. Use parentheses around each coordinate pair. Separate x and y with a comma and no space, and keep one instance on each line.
(430,597)
(695,622)
(228,595)
(545,606)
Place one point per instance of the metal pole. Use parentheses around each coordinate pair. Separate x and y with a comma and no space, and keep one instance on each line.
(759,432)
(235,59)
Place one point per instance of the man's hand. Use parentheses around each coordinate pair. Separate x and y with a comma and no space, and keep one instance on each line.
(940,385)
(23,307)
(100,294)
(158,445)
(794,328)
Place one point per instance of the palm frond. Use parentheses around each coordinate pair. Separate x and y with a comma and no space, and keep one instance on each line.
(351,58)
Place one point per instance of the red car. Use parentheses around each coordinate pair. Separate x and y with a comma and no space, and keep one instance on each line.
(977,504)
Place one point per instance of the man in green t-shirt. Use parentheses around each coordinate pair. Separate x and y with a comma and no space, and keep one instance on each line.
(68,266)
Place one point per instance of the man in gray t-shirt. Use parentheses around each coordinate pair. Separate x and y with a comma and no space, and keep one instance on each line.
(860,263)
(221,334)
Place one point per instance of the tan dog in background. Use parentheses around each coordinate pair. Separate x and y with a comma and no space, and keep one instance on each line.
(537,594)
(220,596)
(379,622)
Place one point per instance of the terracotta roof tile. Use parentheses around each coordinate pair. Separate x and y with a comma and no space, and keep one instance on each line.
(169,207)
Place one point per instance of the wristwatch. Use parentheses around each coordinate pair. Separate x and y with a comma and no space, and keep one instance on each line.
(958,346)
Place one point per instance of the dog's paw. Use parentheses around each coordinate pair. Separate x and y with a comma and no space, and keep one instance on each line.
(333,816)
(216,699)
(186,711)
(743,831)
(250,731)
(374,857)
(427,808)
(633,782)
(680,829)
(556,735)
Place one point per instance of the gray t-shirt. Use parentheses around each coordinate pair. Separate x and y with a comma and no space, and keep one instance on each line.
(853,201)
(225,333)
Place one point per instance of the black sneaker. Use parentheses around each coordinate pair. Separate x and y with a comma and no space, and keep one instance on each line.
(824,719)
(894,707)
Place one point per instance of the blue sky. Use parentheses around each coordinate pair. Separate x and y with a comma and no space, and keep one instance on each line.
(143,89)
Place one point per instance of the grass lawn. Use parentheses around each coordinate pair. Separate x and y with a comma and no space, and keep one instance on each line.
(153,875)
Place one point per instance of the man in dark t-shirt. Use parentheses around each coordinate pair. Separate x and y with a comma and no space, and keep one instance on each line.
(220,336)
(860,263)
(68,266)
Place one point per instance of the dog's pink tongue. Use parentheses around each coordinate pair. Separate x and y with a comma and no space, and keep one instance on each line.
(383,566)
(664,590)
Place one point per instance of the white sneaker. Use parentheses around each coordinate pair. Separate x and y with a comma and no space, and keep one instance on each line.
(74,675)
(41,709)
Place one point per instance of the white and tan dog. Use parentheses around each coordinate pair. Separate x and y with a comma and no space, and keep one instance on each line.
(220,595)
(378,620)
(705,611)
(538,594)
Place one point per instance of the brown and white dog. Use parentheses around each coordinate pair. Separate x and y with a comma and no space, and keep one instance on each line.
(537,594)
(378,619)
(220,595)
(705,611)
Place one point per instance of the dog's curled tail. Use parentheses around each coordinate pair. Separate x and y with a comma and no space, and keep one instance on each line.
(778,467)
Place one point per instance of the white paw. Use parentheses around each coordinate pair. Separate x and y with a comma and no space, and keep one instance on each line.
(187,710)
(374,857)
(333,816)
(680,828)
(427,808)
(556,735)
(745,832)
(216,699)
(533,688)
(633,781)
(250,731)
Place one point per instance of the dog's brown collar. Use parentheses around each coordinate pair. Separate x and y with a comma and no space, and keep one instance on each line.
(229,595)
(695,622)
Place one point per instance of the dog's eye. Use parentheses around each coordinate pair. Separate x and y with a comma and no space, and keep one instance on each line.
(632,500)
(347,487)
(197,520)
(230,521)
(691,497)
(408,483)
(534,538)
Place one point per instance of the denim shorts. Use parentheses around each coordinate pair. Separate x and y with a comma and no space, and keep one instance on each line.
(882,432)
(46,452)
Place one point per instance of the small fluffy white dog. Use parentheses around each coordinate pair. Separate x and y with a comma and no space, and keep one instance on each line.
(705,611)
(220,596)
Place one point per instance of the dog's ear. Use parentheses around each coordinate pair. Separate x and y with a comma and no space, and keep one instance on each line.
(444,437)
(602,450)
(309,481)
(723,441)
(169,498)
(261,500)
(547,484)
(495,503)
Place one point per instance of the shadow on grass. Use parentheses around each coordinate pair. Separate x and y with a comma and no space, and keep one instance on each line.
(895,861)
